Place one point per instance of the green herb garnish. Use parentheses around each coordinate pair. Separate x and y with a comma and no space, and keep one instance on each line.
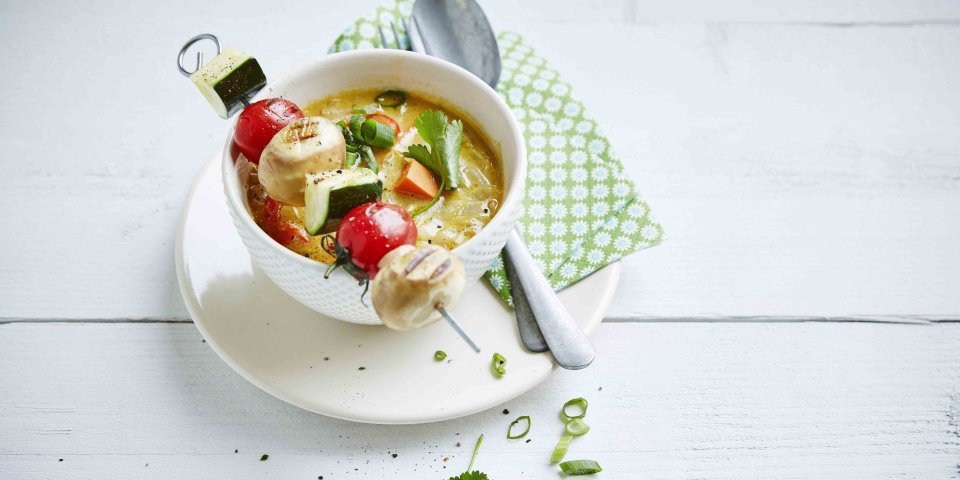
(443,156)
(365,110)
(376,134)
(391,98)
(580,403)
(580,467)
(351,160)
(574,426)
(499,363)
(439,355)
(476,474)
(355,122)
(511,436)
(264,457)
(366,154)
(561,449)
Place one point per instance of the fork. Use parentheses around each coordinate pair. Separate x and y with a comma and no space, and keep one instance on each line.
(414,42)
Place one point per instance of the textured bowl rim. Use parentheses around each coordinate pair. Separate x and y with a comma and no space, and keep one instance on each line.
(511,198)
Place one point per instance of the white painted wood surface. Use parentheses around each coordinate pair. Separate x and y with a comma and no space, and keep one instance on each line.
(804,158)
(708,400)
(801,166)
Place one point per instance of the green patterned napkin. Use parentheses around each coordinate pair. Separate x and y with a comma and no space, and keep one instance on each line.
(581,211)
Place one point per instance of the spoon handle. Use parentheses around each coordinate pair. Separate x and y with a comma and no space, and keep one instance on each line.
(530,333)
(570,346)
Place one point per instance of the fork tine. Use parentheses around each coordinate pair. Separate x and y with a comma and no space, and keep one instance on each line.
(413,35)
(383,38)
(396,36)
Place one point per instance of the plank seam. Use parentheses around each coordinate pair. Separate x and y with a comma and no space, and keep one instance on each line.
(894,319)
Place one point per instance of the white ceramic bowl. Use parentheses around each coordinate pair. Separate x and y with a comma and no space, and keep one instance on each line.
(339,296)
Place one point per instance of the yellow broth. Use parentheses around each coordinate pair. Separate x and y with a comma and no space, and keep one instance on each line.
(457,216)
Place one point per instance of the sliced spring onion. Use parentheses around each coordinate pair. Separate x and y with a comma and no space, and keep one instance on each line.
(370,161)
(352,160)
(365,110)
(580,467)
(561,449)
(499,363)
(581,403)
(355,122)
(391,98)
(476,449)
(376,134)
(511,436)
(347,135)
(439,355)
(576,427)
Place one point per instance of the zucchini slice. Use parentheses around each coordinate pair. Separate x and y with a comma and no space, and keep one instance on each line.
(331,194)
(229,80)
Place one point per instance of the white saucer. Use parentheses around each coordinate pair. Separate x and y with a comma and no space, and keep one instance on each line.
(353,372)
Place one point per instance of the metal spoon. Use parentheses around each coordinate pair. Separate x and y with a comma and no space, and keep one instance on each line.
(458,31)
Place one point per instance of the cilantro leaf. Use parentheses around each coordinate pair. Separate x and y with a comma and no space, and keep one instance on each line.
(449,149)
(445,139)
(421,154)
(474,475)
(430,125)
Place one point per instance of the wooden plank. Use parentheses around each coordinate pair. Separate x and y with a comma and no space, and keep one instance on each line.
(800,170)
(815,11)
(805,400)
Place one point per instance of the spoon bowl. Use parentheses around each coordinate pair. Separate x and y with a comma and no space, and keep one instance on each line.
(458,32)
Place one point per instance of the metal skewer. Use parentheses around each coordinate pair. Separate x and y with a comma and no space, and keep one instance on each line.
(186,46)
(456,326)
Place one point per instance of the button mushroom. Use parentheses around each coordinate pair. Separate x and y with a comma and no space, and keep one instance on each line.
(308,145)
(413,283)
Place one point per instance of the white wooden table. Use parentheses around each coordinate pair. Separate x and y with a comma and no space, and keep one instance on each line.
(799,322)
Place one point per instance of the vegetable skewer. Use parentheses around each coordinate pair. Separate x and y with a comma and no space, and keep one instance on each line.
(456,326)
(415,286)
(272,132)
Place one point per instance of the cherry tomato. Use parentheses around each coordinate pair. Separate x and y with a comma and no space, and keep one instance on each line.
(386,120)
(371,230)
(259,122)
(283,232)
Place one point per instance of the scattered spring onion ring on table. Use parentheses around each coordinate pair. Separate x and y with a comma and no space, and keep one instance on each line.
(440,355)
(580,402)
(511,436)
(561,449)
(580,467)
(574,426)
